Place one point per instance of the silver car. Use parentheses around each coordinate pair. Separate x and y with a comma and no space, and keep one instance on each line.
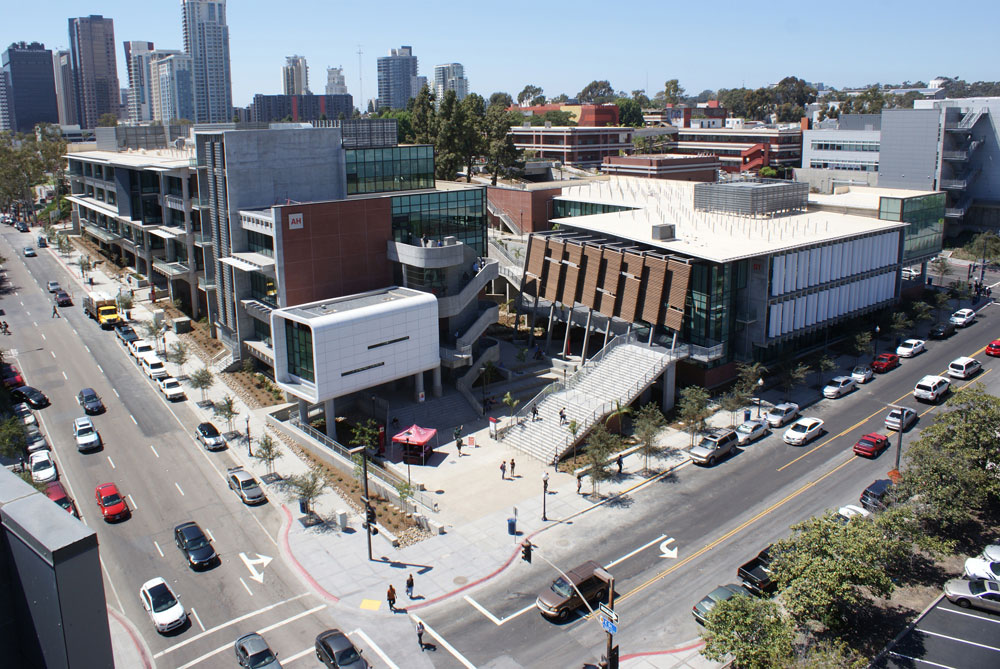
(839,386)
(86,435)
(751,430)
(900,419)
(981,593)
(783,413)
(253,652)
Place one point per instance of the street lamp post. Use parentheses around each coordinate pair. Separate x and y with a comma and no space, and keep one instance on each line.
(876,341)
(249,447)
(760,389)
(899,441)
(545,494)
(360,450)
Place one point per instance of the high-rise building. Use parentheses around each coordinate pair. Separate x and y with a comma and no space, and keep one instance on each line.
(62,70)
(95,68)
(397,78)
(171,86)
(295,75)
(335,82)
(450,77)
(300,108)
(206,40)
(4,107)
(137,61)
(31,92)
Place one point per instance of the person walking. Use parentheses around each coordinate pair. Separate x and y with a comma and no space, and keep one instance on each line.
(409,586)
(390,596)
(503,470)
(534,412)
(562,416)
(420,635)
(579,483)
(512,468)
(619,463)
(55,312)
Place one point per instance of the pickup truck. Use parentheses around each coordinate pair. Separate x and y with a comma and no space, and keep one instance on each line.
(102,308)
(756,575)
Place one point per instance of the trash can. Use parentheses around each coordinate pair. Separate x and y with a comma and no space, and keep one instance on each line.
(746,415)
(512,526)
(303,505)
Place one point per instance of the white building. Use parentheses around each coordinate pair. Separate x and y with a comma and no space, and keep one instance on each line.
(206,41)
(171,86)
(450,77)
(336,84)
(295,76)
(137,61)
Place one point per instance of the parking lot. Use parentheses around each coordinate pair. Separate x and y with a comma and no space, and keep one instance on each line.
(947,636)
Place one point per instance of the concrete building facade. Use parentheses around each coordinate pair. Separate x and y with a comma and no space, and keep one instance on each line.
(95,68)
(573,145)
(137,60)
(335,82)
(62,69)
(275,108)
(398,79)
(31,92)
(171,86)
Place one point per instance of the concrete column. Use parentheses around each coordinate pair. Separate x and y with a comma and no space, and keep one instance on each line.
(586,335)
(436,382)
(607,331)
(569,322)
(531,329)
(548,332)
(418,385)
(669,383)
(331,419)
(303,411)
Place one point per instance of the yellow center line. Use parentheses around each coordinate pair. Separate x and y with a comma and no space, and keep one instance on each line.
(732,532)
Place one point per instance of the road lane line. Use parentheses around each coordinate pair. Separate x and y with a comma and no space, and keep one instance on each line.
(921,660)
(447,646)
(43,335)
(133,419)
(246,586)
(158,549)
(952,638)
(64,376)
(112,584)
(637,550)
(112,462)
(226,624)
(482,609)
(374,646)
(53,353)
(154,450)
(132,502)
(291,658)
(33,323)
(22,303)
(85,346)
(197,619)
(100,370)
(116,393)
(179,488)
(291,619)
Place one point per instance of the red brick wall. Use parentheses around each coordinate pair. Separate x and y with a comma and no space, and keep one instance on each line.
(340,249)
(528,207)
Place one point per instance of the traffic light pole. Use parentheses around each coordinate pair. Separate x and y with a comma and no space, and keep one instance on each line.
(364,469)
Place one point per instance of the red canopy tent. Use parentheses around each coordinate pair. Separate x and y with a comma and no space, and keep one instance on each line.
(416,443)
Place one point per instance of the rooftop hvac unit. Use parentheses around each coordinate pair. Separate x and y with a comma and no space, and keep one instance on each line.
(664,232)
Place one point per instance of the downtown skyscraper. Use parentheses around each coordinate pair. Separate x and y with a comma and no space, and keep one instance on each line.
(31,92)
(295,76)
(206,41)
(95,69)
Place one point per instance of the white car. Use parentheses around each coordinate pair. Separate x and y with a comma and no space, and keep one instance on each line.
(991,553)
(982,568)
(931,388)
(751,430)
(803,431)
(900,419)
(782,414)
(862,374)
(42,466)
(139,348)
(171,388)
(23,411)
(963,317)
(839,386)
(86,435)
(910,348)
(853,511)
(162,605)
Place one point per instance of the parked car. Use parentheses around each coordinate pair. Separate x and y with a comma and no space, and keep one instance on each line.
(981,593)
(839,386)
(33,397)
(62,299)
(164,608)
(57,494)
(12,378)
(245,486)
(963,317)
(982,568)
(871,445)
(931,388)
(561,598)
(139,348)
(23,411)
(720,594)
(942,330)
(171,388)
(803,431)
(876,496)
(42,466)
(89,401)
(850,511)
(909,273)
(152,366)
(993,348)
(34,440)
(714,446)
(756,574)
(195,546)
(862,373)
(53,286)
(336,651)
(86,435)
(883,362)
(900,419)
(781,414)
(751,430)
(991,553)
(964,367)
(209,437)
(126,335)
(112,505)
(910,348)
(29,252)
(252,652)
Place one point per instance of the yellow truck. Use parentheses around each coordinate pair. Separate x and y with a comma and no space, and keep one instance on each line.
(103,309)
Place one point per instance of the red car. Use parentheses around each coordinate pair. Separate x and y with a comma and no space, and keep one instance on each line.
(884,362)
(57,494)
(993,348)
(11,377)
(113,506)
(871,445)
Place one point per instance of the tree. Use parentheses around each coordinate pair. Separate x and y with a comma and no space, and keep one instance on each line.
(767,172)
(202,380)
(12,439)
(960,290)
(573,428)
(942,268)
(152,329)
(450,127)
(501,99)
(748,377)
(941,299)
(613,421)
(365,434)
(640,97)
(794,377)
(693,409)
(560,99)
(900,324)
(267,451)
(600,445)
(732,402)
(85,266)
(823,365)
(862,344)
(527,93)
(472,140)
(125,302)
(826,567)
(597,92)
(107,120)
(920,311)
(178,353)
(423,120)
(404,124)
(226,410)
(647,425)
(309,486)
(511,403)
(830,654)
(629,112)
(753,631)
(64,245)
(672,92)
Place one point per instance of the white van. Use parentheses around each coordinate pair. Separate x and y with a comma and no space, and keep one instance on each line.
(963,368)
(153,366)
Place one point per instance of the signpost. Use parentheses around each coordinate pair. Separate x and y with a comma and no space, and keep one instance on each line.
(609,627)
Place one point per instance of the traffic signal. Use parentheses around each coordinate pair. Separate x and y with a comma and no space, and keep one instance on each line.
(526,551)
(369,523)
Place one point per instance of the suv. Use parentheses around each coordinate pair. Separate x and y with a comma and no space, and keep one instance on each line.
(561,598)
(245,485)
(87,438)
(714,446)
(931,388)
(874,498)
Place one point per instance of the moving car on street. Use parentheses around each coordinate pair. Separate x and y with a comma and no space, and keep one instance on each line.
(86,435)
(900,419)
(883,362)
(803,431)
(963,318)
(993,348)
(62,299)
(336,651)
(964,367)
(781,414)
(839,386)
(871,445)
(560,599)
(112,505)
(195,546)
(910,348)
(980,593)
(89,401)
(29,252)
(164,608)
(252,652)
(931,388)
(53,286)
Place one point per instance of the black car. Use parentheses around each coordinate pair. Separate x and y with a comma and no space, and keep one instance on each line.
(126,335)
(35,398)
(89,400)
(876,497)
(942,330)
(335,650)
(209,436)
(195,545)
(63,299)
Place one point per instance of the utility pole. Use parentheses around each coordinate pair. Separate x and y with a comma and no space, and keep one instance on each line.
(369,520)
(361,85)
(899,440)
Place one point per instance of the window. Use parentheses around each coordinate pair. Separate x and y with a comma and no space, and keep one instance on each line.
(262,288)
(260,243)
(459,214)
(299,348)
(389,169)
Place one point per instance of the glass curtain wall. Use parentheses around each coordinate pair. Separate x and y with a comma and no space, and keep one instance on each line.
(299,347)
(709,318)
(389,169)
(457,213)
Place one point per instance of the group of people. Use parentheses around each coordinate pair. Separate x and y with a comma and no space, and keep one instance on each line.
(390,596)
(503,469)
(981,290)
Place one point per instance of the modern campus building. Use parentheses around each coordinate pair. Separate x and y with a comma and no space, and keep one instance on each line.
(579,146)
(844,150)
(664,166)
(137,62)
(95,68)
(589,115)
(31,97)
(295,76)
(743,146)
(705,115)
(398,79)
(206,41)
(271,108)
(450,77)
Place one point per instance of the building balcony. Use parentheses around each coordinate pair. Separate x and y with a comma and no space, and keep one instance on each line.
(954,184)
(706,353)
(450,254)
(199,203)
(204,283)
(170,270)
(258,309)
(250,262)
(101,233)
(201,239)
(175,202)
(262,350)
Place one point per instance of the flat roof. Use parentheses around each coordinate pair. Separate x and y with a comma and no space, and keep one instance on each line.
(714,236)
(141,158)
(864,197)
(340,305)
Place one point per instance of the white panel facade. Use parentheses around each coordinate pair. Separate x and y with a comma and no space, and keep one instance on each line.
(791,267)
(777,275)
(815,261)
(774,320)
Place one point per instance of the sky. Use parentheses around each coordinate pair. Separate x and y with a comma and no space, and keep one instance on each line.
(561,47)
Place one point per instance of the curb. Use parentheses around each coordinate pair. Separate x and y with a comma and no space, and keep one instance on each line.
(286,549)
(141,647)
(681,649)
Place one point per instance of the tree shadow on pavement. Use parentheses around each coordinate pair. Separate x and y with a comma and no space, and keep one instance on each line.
(620,502)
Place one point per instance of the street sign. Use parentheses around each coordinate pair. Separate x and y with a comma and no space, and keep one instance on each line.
(609,627)
(608,613)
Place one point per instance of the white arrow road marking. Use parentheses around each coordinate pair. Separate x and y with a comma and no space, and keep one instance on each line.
(262,560)
(670,553)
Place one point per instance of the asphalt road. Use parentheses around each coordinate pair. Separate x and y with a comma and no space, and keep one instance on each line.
(717,517)
(947,636)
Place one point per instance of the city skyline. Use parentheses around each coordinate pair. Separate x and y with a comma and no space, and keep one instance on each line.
(865,53)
